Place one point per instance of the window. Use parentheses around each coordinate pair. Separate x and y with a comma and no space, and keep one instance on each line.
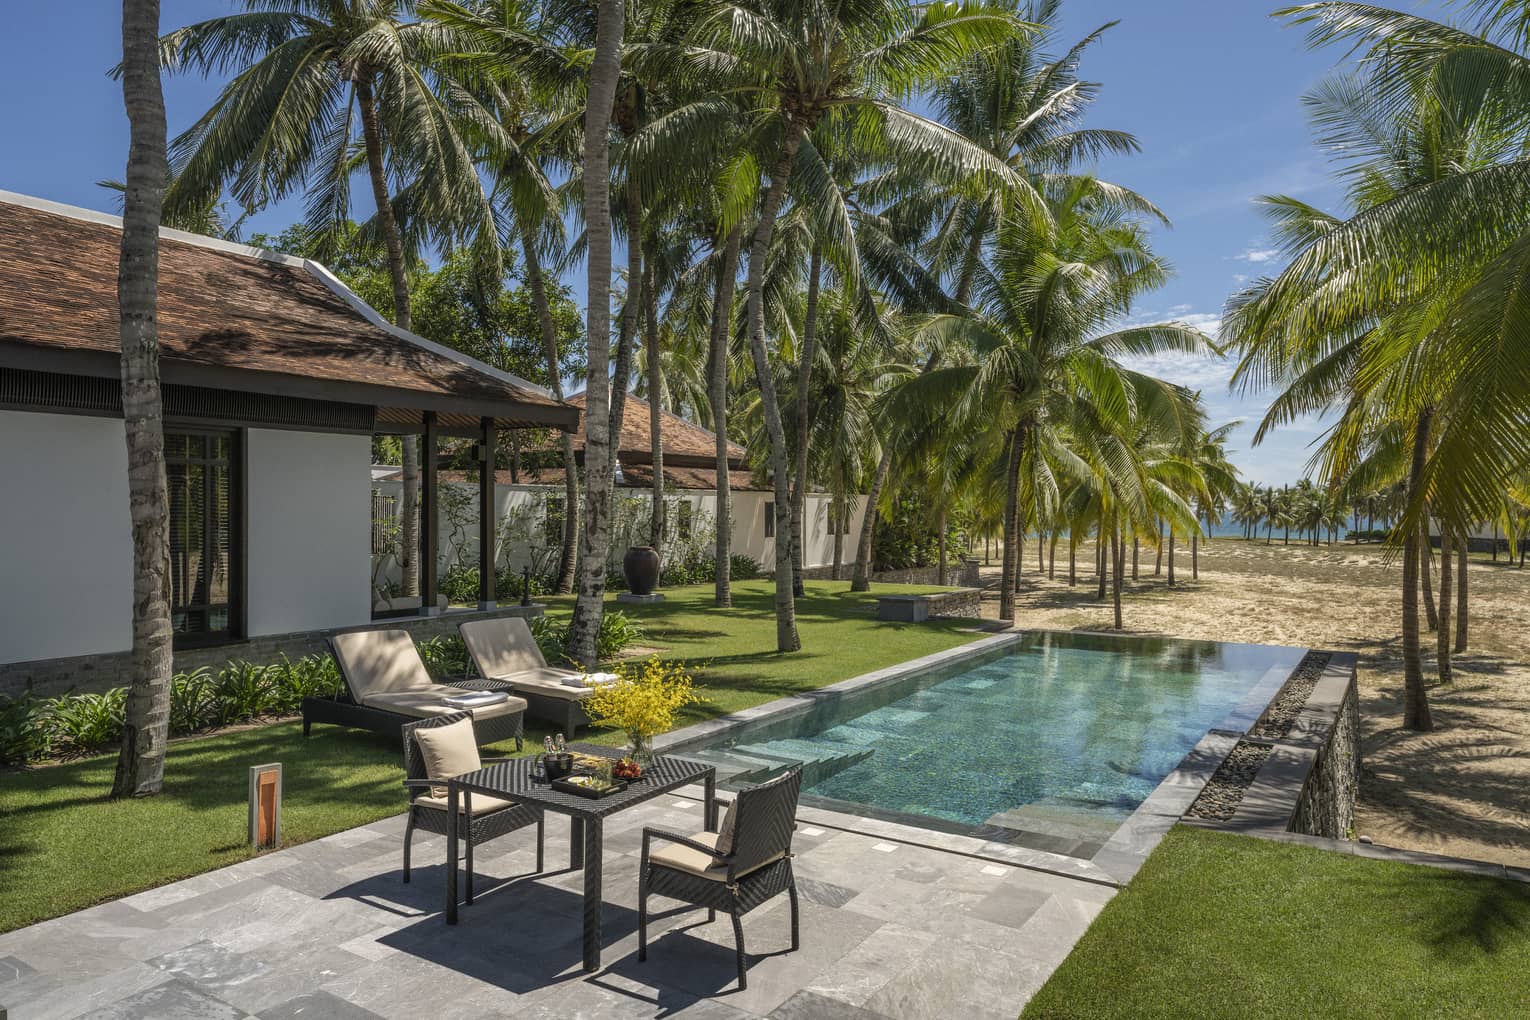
(201,470)
(552,526)
(770,520)
(682,519)
(384,523)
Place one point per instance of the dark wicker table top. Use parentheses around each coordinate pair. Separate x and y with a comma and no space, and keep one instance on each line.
(515,780)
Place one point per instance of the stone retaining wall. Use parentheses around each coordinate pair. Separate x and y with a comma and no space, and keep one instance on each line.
(89,673)
(962,572)
(1309,778)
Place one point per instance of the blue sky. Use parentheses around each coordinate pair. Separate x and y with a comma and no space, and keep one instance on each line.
(1212,89)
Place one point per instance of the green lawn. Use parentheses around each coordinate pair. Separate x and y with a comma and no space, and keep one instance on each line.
(1228,926)
(64,845)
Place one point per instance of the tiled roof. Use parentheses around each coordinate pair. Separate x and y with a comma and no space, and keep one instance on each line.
(634,476)
(227,307)
(682,439)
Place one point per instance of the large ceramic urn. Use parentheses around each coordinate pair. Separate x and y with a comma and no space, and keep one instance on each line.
(641,568)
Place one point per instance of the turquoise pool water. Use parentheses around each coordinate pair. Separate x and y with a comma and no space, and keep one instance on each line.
(1052,742)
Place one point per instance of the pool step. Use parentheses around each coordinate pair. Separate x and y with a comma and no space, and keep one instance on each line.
(819,760)
(1064,818)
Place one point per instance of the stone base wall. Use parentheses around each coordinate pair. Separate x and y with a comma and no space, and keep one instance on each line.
(963,602)
(1327,803)
(963,572)
(91,673)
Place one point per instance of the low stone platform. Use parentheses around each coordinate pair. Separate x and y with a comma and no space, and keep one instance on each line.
(328,930)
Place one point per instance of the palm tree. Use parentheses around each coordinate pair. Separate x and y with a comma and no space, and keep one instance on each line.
(141,763)
(801,65)
(1041,360)
(305,71)
(599,481)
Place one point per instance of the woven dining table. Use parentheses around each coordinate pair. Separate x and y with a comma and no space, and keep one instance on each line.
(516,780)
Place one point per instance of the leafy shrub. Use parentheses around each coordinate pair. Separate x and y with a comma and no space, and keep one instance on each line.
(192,700)
(444,655)
(742,568)
(87,722)
(312,676)
(24,730)
(242,691)
(617,632)
(460,585)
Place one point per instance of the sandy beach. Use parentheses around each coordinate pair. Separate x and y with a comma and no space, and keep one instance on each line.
(1462,789)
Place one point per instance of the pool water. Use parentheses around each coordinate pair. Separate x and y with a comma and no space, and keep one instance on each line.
(1053,742)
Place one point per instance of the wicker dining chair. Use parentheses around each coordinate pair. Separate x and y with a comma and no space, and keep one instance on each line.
(756,867)
(480,818)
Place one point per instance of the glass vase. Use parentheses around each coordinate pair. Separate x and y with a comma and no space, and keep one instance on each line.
(640,748)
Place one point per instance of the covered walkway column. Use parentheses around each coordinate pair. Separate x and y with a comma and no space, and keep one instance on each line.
(486,517)
(430,517)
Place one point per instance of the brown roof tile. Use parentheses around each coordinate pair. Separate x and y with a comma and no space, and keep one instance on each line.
(682,438)
(220,309)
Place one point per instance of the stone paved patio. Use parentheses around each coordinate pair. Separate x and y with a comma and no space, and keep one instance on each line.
(327,930)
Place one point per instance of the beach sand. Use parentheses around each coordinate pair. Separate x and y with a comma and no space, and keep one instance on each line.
(1462,789)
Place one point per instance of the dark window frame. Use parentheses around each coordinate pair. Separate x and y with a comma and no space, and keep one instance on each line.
(770,519)
(237,466)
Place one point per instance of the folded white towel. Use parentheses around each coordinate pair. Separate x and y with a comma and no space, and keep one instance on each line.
(589,679)
(477,699)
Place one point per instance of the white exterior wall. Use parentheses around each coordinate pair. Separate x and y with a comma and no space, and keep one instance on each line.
(66,545)
(309,524)
(749,509)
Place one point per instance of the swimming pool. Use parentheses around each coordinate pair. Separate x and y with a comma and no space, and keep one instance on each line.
(1051,741)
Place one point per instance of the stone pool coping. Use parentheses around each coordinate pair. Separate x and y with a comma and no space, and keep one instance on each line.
(1122,855)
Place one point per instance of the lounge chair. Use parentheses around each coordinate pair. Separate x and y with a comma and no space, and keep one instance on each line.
(387,686)
(504,654)
(734,870)
(480,818)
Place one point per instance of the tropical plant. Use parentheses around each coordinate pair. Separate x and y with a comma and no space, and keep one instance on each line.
(643,700)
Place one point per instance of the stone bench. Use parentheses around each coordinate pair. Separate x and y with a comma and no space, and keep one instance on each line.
(963,602)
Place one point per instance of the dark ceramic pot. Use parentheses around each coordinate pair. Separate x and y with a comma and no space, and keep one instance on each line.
(641,568)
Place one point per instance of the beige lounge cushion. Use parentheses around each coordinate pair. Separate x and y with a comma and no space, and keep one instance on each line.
(694,862)
(447,751)
(380,662)
(725,830)
(548,680)
(423,704)
(483,804)
(501,647)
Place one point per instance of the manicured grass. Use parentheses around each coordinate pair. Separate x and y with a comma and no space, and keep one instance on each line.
(65,845)
(1228,926)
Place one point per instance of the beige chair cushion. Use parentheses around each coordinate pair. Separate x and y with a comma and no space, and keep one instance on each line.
(380,662)
(501,647)
(549,681)
(694,862)
(483,804)
(423,704)
(447,751)
(725,831)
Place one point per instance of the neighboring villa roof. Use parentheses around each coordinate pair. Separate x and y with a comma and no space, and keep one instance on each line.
(684,442)
(690,455)
(237,318)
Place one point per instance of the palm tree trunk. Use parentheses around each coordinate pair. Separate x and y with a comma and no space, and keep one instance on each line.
(631,308)
(1158,558)
(146,724)
(655,411)
(1117,562)
(1011,517)
(1195,557)
(604,70)
(940,542)
(1416,714)
(861,579)
(1135,546)
(804,384)
(1171,556)
(1461,616)
(838,510)
(717,386)
(1072,558)
(569,555)
(1052,558)
(387,224)
(1101,576)
(780,461)
(1426,570)
(1041,558)
(1443,637)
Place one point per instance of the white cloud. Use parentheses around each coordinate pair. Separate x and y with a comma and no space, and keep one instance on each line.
(1180,309)
(1258,255)
(1240,278)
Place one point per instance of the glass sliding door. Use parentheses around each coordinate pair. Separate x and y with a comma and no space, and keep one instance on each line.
(201,471)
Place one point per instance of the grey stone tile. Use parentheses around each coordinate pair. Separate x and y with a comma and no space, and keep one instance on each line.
(807,1005)
(209,965)
(986,985)
(317,1006)
(1011,905)
(825,894)
(173,1000)
(13,969)
(882,956)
